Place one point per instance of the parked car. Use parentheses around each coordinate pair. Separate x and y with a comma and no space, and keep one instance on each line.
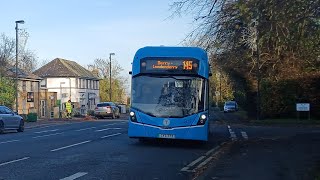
(10,120)
(107,109)
(230,106)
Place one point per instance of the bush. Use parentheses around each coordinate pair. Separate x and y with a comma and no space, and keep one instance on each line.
(90,112)
(278,99)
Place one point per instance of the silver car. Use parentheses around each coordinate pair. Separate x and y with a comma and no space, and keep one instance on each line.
(230,106)
(10,120)
(107,109)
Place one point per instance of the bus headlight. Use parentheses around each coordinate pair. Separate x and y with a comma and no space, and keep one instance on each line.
(202,119)
(133,117)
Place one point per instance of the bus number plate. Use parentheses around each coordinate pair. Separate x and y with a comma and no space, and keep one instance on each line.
(167,136)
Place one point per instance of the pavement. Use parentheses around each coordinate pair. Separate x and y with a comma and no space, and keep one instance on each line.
(101,149)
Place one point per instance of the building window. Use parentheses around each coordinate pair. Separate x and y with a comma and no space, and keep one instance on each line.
(87,87)
(98,83)
(80,83)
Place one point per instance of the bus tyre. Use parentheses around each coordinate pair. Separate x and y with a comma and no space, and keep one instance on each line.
(142,140)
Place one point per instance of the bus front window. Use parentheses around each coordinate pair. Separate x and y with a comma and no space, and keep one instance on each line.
(168,96)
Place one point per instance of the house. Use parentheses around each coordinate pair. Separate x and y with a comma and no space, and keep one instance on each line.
(30,97)
(70,81)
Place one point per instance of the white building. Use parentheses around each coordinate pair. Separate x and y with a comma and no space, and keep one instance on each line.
(70,81)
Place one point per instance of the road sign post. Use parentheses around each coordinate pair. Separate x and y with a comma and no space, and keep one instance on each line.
(303,107)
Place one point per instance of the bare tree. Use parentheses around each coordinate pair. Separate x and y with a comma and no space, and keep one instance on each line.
(7,48)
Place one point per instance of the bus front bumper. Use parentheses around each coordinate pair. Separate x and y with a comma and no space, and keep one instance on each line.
(139,130)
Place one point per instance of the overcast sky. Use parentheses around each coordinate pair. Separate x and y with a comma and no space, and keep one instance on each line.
(82,30)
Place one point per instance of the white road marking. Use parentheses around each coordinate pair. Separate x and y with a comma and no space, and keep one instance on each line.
(47,131)
(107,129)
(233,135)
(186,169)
(75,176)
(72,145)
(195,161)
(9,141)
(110,135)
(110,124)
(47,135)
(213,149)
(204,162)
(86,129)
(244,135)
(17,160)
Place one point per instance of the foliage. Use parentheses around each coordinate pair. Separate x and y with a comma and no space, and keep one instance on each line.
(118,84)
(285,35)
(7,92)
(279,98)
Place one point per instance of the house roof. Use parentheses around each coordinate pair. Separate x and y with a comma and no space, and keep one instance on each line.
(11,72)
(64,68)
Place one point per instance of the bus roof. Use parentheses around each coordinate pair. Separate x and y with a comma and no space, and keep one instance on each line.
(172,52)
(165,51)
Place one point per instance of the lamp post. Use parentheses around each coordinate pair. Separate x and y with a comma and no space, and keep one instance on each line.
(17,45)
(60,114)
(111,54)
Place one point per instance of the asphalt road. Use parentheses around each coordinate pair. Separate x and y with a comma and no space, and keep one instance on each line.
(98,150)
(102,150)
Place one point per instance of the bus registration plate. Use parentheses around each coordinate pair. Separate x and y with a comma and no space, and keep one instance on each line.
(167,136)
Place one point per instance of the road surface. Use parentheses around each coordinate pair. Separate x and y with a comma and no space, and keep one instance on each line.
(102,150)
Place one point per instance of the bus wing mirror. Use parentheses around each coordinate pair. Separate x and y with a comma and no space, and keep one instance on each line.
(210,74)
(130,72)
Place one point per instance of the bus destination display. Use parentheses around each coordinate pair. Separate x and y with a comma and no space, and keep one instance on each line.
(175,65)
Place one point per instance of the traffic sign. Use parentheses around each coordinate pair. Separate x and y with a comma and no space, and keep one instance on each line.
(303,106)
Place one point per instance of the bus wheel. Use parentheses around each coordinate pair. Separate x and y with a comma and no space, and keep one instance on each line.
(142,140)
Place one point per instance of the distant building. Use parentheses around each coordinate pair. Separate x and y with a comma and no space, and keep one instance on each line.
(30,97)
(70,81)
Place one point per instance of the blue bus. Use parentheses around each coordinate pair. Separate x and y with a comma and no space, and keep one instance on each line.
(169,93)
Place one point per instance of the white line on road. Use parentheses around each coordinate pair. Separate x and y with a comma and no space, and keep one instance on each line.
(86,129)
(204,162)
(107,129)
(17,160)
(65,147)
(110,135)
(244,135)
(47,131)
(9,141)
(111,124)
(75,176)
(213,149)
(47,135)
(233,135)
(195,161)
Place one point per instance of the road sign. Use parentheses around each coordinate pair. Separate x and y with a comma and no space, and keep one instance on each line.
(303,106)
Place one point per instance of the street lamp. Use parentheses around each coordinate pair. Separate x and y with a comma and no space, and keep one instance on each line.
(17,45)
(60,114)
(111,54)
